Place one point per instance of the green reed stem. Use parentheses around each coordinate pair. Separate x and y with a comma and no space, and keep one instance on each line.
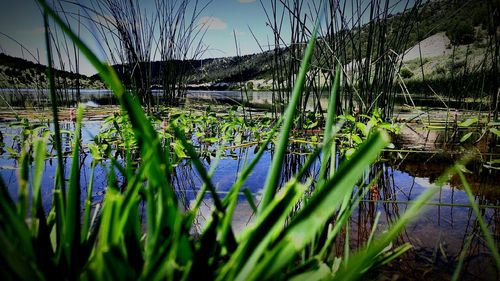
(329,145)
(270,186)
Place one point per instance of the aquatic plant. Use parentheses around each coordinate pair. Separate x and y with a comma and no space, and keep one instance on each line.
(208,129)
(358,127)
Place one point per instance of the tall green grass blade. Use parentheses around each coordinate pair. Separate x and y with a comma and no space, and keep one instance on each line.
(226,232)
(190,217)
(259,232)
(346,244)
(258,237)
(55,117)
(264,229)
(23,194)
(88,206)
(40,152)
(225,235)
(249,197)
(217,235)
(150,221)
(313,217)
(320,271)
(231,199)
(15,240)
(341,221)
(109,213)
(271,183)
(111,181)
(366,258)
(134,187)
(59,220)
(157,168)
(490,242)
(329,145)
(72,231)
(132,238)
(248,169)
(121,169)
(40,231)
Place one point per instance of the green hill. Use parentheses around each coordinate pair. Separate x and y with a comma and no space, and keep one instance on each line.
(21,73)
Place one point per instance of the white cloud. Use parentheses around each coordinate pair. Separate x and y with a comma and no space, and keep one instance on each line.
(213,23)
(246,1)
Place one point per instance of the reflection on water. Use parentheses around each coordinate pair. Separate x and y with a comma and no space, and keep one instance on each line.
(262,99)
(440,232)
(438,235)
(40,97)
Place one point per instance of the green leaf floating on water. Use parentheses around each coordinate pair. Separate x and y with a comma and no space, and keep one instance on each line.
(466,137)
(468,122)
(495,131)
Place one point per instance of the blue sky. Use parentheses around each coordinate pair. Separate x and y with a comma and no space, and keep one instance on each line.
(22,21)
(237,15)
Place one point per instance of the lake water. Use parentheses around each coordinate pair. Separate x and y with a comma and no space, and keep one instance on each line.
(30,97)
(438,234)
(259,99)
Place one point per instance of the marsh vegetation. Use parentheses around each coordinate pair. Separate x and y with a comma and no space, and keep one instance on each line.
(356,164)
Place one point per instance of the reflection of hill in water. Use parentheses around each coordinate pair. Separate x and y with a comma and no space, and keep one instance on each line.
(251,98)
(484,182)
(40,97)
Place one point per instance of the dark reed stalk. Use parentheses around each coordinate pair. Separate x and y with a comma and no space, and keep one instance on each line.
(179,42)
(362,35)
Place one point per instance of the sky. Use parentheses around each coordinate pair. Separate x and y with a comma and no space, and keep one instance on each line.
(21,24)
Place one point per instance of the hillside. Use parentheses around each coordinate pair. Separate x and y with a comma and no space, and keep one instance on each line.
(211,73)
(21,73)
(448,36)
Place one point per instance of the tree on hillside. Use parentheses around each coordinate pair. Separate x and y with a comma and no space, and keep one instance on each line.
(460,32)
